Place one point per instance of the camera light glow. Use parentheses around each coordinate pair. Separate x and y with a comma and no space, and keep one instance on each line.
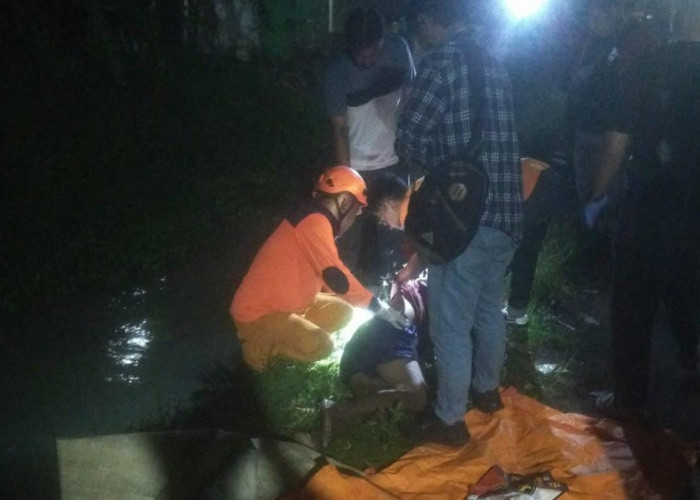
(520,9)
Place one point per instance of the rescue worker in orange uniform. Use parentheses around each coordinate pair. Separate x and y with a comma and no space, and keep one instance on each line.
(279,308)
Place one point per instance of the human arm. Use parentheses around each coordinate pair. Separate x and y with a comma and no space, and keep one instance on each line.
(394,71)
(625,113)
(315,236)
(612,157)
(427,102)
(409,64)
(415,265)
(341,141)
(335,94)
(387,313)
(390,79)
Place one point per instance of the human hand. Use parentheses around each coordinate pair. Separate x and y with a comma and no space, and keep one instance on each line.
(405,274)
(415,265)
(592,210)
(394,317)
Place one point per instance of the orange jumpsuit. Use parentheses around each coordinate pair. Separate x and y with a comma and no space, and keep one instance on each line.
(279,309)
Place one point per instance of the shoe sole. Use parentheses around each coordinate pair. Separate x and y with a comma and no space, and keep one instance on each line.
(515,322)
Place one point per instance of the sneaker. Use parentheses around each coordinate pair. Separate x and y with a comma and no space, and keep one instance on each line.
(431,429)
(513,316)
(487,402)
(608,407)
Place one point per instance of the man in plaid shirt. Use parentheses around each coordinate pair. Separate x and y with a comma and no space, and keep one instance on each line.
(464,296)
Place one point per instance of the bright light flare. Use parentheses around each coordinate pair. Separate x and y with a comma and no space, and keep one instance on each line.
(359,317)
(520,9)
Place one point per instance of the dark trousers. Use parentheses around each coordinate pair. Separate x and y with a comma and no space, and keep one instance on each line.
(656,261)
(538,211)
(524,263)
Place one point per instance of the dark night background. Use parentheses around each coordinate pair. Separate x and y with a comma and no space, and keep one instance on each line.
(142,164)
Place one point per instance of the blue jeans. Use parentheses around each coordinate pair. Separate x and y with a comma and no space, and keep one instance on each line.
(466,324)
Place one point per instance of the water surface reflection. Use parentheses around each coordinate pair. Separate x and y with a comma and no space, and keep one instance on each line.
(126,350)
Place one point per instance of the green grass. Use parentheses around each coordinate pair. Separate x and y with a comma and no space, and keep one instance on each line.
(279,402)
(543,337)
(558,252)
(546,360)
(374,444)
(286,397)
(292,392)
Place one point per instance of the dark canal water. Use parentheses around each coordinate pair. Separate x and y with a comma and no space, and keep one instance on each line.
(107,364)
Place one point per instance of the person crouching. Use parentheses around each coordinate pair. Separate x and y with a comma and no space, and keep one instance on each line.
(279,309)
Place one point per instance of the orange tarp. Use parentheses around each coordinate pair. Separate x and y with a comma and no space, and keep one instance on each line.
(531,173)
(595,458)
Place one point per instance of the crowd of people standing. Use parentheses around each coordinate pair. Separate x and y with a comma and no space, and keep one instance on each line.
(634,106)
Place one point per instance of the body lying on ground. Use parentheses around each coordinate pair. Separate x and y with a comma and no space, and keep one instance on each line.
(380,365)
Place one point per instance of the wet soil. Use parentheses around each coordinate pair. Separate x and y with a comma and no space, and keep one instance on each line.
(563,359)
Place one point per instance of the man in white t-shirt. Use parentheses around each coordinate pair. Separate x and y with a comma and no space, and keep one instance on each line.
(363,86)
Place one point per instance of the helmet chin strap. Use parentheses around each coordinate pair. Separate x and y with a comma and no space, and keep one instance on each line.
(341,215)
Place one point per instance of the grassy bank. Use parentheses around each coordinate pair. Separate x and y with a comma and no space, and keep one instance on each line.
(286,398)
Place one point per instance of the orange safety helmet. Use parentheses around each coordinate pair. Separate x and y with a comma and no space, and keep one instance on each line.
(343,179)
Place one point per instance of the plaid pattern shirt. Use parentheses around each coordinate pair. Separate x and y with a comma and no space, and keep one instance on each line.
(436,125)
